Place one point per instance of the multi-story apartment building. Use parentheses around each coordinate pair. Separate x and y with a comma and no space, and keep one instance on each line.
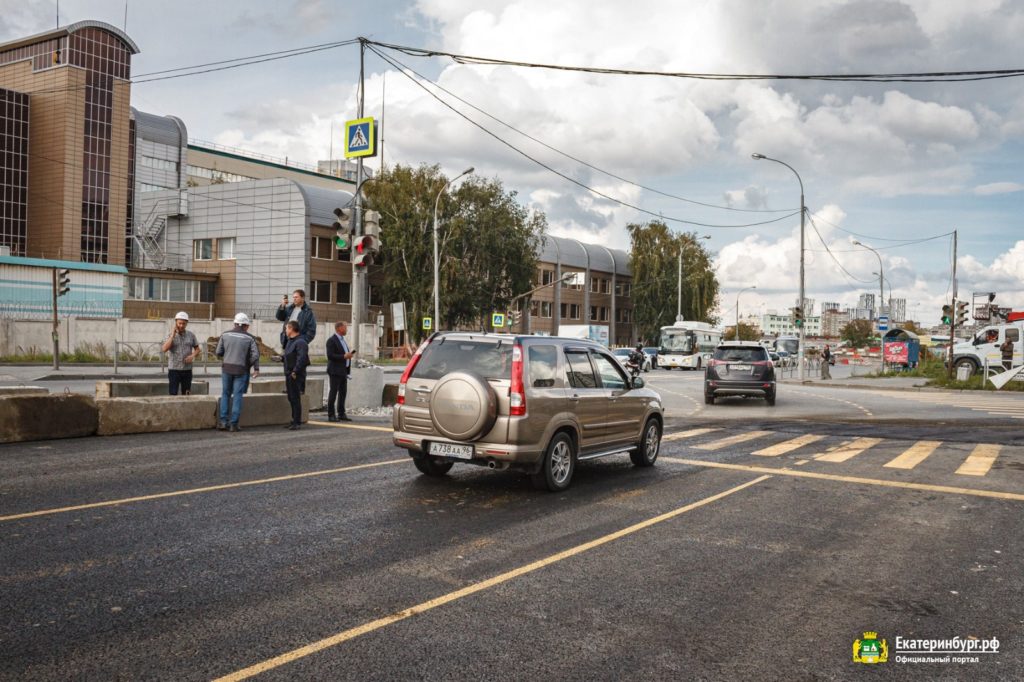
(832,322)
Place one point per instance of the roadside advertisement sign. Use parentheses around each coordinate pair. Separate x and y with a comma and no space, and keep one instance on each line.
(896,351)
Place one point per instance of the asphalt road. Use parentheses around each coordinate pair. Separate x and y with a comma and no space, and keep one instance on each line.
(323,555)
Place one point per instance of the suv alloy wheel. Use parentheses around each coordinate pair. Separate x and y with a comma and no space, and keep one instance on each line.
(558,466)
(647,452)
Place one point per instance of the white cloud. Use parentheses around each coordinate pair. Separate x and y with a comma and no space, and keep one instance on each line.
(998,188)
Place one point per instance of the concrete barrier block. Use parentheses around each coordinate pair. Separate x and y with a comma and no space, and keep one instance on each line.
(314,389)
(23,390)
(365,388)
(263,409)
(42,417)
(155,414)
(142,389)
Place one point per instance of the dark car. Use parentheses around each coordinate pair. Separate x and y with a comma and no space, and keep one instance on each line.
(740,368)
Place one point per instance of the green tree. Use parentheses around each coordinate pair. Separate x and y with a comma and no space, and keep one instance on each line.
(748,332)
(488,245)
(653,261)
(858,333)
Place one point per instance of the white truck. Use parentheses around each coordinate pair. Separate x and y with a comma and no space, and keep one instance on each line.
(985,347)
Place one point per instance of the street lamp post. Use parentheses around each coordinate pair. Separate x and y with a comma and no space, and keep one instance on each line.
(881,276)
(738,308)
(679,281)
(800,301)
(437,271)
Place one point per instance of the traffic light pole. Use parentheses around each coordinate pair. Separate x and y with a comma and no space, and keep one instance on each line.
(56,330)
(358,273)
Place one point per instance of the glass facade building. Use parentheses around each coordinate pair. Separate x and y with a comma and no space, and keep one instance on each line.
(14,171)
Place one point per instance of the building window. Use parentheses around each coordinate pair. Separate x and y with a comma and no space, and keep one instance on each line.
(547,276)
(570,311)
(375,297)
(623,289)
(159,164)
(540,309)
(606,286)
(322,248)
(624,315)
(598,313)
(581,276)
(344,292)
(177,290)
(202,249)
(226,248)
(320,291)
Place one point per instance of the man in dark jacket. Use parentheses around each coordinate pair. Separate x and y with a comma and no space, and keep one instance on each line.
(1006,349)
(296,360)
(299,311)
(240,353)
(339,367)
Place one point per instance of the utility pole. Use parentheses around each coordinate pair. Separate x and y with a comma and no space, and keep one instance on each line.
(359,273)
(952,318)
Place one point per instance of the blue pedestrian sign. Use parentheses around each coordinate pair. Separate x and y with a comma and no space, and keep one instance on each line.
(883,323)
(360,138)
(498,320)
(428,324)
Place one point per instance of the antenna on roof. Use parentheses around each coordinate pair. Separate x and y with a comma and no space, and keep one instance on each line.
(125,16)
(58,13)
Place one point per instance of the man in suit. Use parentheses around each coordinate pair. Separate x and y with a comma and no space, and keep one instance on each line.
(339,367)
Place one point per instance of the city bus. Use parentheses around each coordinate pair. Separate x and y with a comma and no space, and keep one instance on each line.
(687,345)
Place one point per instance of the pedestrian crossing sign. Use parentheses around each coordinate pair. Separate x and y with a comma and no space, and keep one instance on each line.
(498,320)
(360,138)
(428,324)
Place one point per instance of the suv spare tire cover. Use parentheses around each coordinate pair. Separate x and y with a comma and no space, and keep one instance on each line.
(463,406)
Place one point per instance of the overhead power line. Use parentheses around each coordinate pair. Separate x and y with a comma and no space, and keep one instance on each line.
(925,77)
(559,173)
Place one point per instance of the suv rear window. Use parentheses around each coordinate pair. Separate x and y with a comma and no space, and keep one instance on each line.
(741,354)
(486,358)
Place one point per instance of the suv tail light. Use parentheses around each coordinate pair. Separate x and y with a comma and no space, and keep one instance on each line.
(516,392)
(408,371)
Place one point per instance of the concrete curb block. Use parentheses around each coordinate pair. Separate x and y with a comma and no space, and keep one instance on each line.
(45,417)
(155,414)
(314,389)
(143,389)
(23,390)
(268,409)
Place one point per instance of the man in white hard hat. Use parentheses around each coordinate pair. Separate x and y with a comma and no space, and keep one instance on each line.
(181,348)
(240,354)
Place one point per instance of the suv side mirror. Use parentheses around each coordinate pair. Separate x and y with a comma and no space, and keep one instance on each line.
(638,382)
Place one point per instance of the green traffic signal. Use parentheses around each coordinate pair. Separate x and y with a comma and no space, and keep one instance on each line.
(947,314)
(343,241)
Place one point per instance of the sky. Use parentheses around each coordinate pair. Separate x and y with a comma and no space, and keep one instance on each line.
(886,164)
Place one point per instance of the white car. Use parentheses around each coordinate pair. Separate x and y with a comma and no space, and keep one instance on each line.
(623,355)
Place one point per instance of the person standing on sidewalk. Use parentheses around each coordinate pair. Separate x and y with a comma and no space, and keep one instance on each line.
(181,348)
(240,353)
(826,362)
(1006,348)
(300,312)
(339,367)
(296,360)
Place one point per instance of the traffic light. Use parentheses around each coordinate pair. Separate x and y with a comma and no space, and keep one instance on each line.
(63,281)
(367,244)
(513,318)
(961,313)
(343,225)
(947,314)
(798,316)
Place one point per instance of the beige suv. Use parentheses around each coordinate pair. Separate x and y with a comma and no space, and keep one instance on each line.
(537,404)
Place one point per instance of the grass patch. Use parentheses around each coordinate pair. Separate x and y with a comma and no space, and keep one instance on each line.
(936,375)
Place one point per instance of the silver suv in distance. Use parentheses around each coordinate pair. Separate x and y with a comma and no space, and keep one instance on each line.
(740,368)
(537,404)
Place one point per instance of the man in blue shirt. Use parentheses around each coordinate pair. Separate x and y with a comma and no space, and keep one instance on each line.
(339,367)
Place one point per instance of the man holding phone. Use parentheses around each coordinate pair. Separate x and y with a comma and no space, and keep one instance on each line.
(339,367)
(181,348)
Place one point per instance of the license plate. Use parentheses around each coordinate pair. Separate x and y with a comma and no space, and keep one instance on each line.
(451,450)
(739,368)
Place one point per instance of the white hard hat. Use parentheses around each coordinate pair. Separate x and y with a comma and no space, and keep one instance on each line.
(182,316)
(241,319)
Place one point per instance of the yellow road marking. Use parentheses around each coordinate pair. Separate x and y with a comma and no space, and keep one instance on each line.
(788,445)
(980,460)
(194,491)
(687,434)
(733,440)
(845,452)
(352,633)
(915,454)
(1017,497)
(364,427)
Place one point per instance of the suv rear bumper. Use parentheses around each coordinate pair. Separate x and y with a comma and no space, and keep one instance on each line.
(755,388)
(494,455)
